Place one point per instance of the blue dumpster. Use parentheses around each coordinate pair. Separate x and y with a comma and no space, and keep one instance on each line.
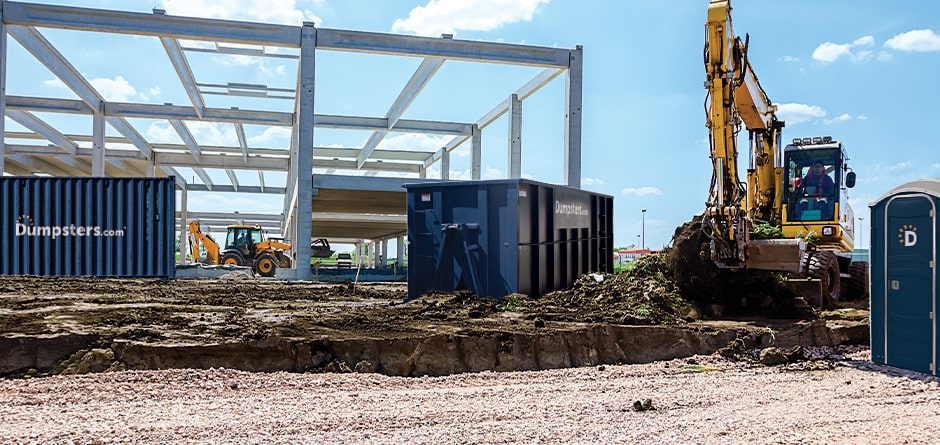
(87,226)
(904,277)
(496,238)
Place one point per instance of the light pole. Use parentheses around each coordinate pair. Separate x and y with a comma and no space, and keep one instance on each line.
(861,230)
(638,240)
(644,230)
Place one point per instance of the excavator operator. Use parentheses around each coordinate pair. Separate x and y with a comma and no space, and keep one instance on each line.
(816,187)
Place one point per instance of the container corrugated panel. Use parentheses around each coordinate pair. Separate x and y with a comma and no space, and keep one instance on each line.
(904,277)
(495,238)
(81,226)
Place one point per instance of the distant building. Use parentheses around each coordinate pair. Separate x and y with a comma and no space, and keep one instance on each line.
(625,256)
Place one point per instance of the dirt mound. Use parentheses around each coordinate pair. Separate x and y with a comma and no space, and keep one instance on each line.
(721,292)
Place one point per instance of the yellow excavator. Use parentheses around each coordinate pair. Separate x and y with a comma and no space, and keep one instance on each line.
(799,190)
(244,246)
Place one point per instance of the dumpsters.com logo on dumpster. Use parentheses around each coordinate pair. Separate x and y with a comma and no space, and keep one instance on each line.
(25,226)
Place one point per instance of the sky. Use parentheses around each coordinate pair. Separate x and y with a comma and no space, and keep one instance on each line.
(861,71)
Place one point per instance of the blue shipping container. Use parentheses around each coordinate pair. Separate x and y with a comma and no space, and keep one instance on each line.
(81,226)
(495,238)
(904,277)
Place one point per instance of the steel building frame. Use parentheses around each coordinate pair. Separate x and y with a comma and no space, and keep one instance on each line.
(62,155)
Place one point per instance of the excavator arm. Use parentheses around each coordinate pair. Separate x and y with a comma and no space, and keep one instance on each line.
(736,99)
(196,237)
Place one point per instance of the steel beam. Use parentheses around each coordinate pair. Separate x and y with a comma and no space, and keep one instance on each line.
(153,111)
(533,85)
(206,180)
(180,180)
(261,180)
(49,56)
(36,165)
(187,138)
(242,141)
(224,188)
(183,219)
(186,28)
(232,177)
(128,131)
(388,155)
(184,72)
(573,101)
(418,81)
(31,122)
(220,161)
(380,123)
(471,51)
(39,104)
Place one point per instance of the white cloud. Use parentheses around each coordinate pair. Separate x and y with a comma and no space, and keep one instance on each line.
(830,52)
(268,11)
(115,90)
(789,59)
(205,133)
(414,142)
(449,16)
(592,181)
(155,91)
(271,136)
(841,118)
(921,40)
(642,191)
(162,133)
(796,113)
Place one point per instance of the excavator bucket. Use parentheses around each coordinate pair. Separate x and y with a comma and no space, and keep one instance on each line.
(781,255)
(320,248)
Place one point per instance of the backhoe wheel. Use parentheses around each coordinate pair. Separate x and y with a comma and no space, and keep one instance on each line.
(824,266)
(266,265)
(858,284)
(233,259)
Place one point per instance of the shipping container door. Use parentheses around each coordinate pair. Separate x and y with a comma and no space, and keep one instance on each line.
(909,298)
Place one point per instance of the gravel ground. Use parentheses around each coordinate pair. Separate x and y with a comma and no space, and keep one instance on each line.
(840,398)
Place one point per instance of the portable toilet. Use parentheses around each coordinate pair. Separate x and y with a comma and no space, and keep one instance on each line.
(904,277)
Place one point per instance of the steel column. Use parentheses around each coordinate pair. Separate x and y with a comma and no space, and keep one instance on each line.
(400,251)
(445,164)
(573,101)
(476,153)
(515,137)
(304,155)
(97,145)
(184,229)
(3,88)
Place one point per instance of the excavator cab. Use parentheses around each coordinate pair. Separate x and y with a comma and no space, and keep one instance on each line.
(816,178)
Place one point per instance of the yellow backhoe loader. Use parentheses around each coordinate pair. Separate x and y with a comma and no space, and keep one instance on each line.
(244,246)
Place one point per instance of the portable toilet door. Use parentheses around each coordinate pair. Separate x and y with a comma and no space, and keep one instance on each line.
(904,285)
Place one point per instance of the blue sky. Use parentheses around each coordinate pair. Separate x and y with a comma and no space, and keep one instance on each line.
(864,72)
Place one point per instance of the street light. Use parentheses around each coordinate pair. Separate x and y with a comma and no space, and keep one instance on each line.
(638,240)
(644,230)
(861,231)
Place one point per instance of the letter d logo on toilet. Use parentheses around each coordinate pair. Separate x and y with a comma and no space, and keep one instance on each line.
(907,235)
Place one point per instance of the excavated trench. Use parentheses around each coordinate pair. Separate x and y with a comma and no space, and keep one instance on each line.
(80,325)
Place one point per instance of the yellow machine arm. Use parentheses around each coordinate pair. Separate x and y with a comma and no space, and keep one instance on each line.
(734,98)
(196,237)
